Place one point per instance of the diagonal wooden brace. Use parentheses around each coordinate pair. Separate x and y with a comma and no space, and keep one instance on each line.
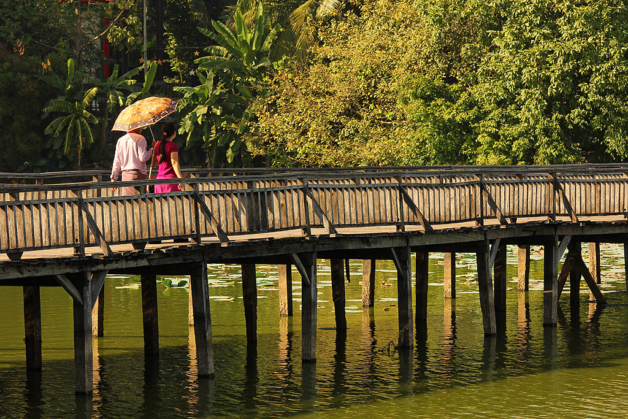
(93,227)
(493,254)
(493,205)
(98,280)
(563,195)
(70,288)
(319,211)
(415,210)
(301,268)
(397,262)
(584,271)
(210,217)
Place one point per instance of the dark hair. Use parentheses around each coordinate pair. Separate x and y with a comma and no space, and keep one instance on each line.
(167,130)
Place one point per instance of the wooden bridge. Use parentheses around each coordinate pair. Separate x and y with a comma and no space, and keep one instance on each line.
(74,234)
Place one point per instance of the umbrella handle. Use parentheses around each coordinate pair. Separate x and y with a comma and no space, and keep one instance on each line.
(152,159)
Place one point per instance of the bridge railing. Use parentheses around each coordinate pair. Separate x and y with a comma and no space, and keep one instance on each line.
(79,215)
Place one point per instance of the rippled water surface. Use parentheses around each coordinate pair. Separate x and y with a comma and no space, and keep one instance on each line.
(579,369)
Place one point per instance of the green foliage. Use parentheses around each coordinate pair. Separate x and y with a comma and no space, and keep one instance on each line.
(441,82)
(21,99)
(75,121)
(222,108)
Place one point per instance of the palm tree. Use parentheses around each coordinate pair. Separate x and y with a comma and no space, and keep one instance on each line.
(75,122)
(299,19)
(113,96)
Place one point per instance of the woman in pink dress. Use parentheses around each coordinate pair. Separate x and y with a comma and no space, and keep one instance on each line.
(167,153)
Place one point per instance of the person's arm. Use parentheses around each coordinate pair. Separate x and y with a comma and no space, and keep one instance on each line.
(174,160)
(142,153)
(117,164)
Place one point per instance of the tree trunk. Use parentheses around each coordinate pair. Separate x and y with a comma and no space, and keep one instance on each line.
(77,12)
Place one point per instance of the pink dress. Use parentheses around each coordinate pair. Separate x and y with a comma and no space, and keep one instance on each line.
(166,171)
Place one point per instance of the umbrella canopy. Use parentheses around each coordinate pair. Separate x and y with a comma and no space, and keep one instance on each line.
(144,112)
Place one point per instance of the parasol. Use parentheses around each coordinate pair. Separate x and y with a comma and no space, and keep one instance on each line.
(144,112)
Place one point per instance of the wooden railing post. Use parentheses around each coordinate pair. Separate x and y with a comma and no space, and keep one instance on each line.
(81,231)
(401,226)
(307,229)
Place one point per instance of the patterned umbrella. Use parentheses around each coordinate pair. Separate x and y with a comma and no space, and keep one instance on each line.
(144,112)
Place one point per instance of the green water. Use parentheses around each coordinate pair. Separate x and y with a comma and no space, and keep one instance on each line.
(579,369)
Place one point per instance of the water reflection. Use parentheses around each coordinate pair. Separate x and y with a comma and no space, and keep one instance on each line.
(452,360)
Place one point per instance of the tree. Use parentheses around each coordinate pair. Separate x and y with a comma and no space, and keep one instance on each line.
(75,122)
(240,61)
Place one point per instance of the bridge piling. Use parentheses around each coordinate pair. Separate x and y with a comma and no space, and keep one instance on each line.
(249,294)
(500,278)
(402,260)
(338,290)
(550,282)
(368,282)
(98,315)
(285,290)
(594,262)
(422,269)
(308,306)
(202,320)
(575,247)
(450,275)
(626,264)
(150,317)
(83,351)
(523,259)
(32,327)
(487,303)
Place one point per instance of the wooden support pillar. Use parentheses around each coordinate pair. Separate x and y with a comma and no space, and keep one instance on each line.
(500,278)
(285,290)
(368,282)
(626,264)
(422,269)
(487,303)
(32,327)
(594,262)
(202,320)
(550,283)
(98,315)
(338,289)
(190,309)
(150,318)
(83,352)
(450,275)
(249,294)
(308,306)
(402,259)
(574,278)
(523,257)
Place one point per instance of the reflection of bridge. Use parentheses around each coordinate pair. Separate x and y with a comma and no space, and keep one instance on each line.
(73,234)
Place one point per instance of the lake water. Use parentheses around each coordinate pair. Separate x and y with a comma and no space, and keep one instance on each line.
(579,369)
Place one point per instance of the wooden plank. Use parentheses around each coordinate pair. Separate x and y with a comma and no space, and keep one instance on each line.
(338,293)
(368,282)
(449,275)
(150,315)
(285,290)
(202,320)
(249,294)
(32,327)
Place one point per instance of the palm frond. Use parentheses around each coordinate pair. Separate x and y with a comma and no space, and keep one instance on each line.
(225,41)
(87,130)
(89,96)
(299,17)
(327,8)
